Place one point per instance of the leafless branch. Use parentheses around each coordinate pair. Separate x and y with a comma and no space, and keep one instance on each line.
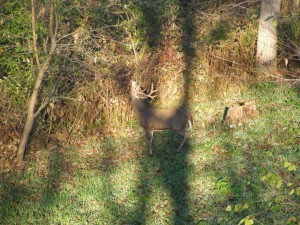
(262,71)
(34,35)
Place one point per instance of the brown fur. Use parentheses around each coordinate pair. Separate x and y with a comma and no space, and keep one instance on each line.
(153,119)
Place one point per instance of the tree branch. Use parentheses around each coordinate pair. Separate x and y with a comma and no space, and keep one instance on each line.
(54,99)
(34,36)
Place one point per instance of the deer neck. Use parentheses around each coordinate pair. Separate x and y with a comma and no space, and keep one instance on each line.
(140,106)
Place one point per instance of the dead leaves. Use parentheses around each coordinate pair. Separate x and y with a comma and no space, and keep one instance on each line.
(5,165)
(219,150)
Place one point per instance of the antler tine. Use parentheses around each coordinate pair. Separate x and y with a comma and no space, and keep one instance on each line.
(150,95)
(140,92)
(153,91)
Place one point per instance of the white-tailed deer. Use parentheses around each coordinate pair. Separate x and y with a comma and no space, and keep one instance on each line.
(152,119)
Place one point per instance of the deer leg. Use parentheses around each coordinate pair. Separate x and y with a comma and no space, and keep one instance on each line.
(149,134)
(185,135)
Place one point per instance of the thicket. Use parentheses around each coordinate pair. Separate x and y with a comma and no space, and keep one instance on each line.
(183,47)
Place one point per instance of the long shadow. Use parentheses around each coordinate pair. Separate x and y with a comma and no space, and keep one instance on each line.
(17,194)
(57,163)
(150,21)
(175,169)
(174,175)
(11,194)
(168,168)
(172,168)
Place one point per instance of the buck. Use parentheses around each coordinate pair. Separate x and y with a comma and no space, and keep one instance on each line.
(153,119)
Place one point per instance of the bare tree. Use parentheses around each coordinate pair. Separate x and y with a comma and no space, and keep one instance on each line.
(266,55)
(41,70)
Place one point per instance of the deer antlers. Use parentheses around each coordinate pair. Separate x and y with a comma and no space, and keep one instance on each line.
(141,93)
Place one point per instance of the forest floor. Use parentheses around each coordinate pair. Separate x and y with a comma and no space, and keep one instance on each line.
(245,174)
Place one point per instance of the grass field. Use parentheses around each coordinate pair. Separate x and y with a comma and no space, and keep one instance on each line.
(241,175)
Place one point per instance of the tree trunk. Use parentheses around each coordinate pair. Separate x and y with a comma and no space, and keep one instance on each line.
(31,114)
(266,55)
(31,110)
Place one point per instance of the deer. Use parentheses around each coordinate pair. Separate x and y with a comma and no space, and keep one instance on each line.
(154,119)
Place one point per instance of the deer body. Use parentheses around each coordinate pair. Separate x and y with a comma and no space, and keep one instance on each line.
(153,119)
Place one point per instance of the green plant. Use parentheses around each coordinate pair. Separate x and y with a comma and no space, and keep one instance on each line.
(15,55)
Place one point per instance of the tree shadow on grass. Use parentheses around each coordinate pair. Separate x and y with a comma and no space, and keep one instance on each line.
(174,172)
(168,170)
(11,194)
(237,169)
(57,166)
(171,168)
(26,194)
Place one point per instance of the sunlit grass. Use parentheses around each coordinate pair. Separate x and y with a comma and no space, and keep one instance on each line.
(114,181)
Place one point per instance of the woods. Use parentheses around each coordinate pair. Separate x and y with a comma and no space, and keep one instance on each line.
(68,125)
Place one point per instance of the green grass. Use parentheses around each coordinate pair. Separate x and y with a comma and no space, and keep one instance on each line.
(114,181)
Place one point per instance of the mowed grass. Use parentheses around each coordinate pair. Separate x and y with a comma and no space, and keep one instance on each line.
(222,175)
